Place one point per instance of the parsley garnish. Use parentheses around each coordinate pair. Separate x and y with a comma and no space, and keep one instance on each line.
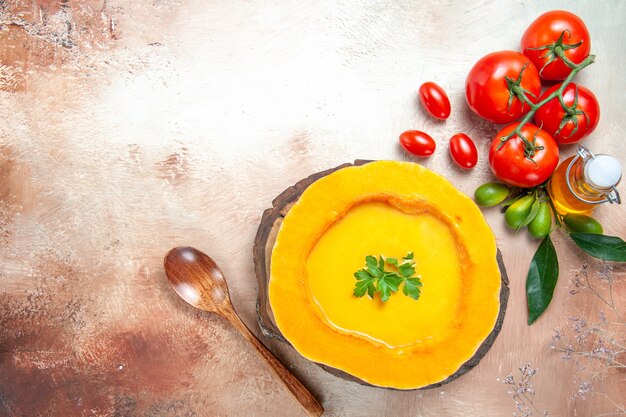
(374,279)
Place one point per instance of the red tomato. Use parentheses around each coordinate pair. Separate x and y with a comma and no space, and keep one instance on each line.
(418,143)
(510,164)
(585,115)
(486,88)
(463,150)
(546,31)
(434,100)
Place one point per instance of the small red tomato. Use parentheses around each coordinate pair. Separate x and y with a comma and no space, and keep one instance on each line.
(435,100)
(573,125)
(510,164)
(463,151)
(418,143)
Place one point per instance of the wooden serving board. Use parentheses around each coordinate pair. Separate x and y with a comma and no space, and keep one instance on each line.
(262,252)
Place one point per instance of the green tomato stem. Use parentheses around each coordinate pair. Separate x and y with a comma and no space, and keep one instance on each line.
(558,93)
(563,105)
(557,216)
(561,54)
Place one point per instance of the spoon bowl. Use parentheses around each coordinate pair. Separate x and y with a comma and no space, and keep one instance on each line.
(198,280)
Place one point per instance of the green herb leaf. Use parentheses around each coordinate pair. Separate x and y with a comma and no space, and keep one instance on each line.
(374,279)
(384,290)
(362,274)
(392,261)
(374,271)
(412,288)
(365,283)
(360,289)
(608,248)
(393,281)
(406,270)
(541,279)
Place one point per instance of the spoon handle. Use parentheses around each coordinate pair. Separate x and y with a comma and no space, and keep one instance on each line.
(302,394)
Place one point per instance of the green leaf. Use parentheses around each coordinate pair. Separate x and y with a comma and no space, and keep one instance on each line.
(384,290)
(411,288)
(392,261)
(512,199)
(541,280)
(415,281)
(375,271)
(406,270)
(393,281)
(534,209)
(374,279)
(362,274)
(608,248)
(365,283)
(360,288)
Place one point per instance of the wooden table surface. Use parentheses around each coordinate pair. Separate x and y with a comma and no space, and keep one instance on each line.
(128,128)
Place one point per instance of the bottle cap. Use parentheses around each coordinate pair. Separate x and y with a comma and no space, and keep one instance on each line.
(603,171)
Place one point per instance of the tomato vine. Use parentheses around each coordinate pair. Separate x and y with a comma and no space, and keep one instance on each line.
(515,90)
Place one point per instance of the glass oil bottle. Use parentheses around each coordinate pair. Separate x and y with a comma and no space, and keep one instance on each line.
(583,181)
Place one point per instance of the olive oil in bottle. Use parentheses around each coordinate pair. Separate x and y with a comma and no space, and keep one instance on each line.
(583,181)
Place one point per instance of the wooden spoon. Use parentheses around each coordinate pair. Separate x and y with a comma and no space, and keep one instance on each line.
(200,282)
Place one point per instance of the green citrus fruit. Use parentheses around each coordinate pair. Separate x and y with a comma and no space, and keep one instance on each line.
(491,194)
(539,227)
(581,223)
(517,212)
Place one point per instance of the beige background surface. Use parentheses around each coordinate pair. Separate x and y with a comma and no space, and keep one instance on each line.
(128,128)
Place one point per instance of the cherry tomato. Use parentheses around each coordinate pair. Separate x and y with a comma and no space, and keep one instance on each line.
(463,151)
(486,88)
(546,31)
(418,143)
(434,100)
(579,124)
(510,164)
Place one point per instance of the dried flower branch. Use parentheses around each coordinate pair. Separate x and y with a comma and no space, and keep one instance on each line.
(594,346)
(523,392)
